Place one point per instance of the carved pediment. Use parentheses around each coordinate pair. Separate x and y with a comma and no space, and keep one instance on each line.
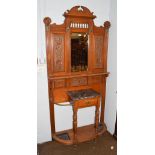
(79,11)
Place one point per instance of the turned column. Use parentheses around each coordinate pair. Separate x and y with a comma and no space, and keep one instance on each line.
(97,116)
(75,124)
(105,49)
(47,21)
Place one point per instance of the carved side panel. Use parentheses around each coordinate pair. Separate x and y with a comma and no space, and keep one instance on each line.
(98,52)
(58,53)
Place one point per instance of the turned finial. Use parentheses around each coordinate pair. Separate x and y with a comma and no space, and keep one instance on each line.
(47,21)
(107,24)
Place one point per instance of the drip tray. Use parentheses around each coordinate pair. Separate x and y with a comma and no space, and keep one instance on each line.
(63,136)
(100,127)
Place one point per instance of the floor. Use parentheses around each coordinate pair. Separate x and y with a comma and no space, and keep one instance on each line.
(104,145)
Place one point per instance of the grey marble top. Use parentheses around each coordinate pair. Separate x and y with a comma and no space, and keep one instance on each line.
(82,94)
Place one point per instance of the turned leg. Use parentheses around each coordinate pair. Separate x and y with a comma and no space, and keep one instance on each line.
(103,92)
(51,105)
(75,124)
(97,117)
(52,119)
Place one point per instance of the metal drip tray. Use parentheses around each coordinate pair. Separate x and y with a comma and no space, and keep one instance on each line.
(64,136)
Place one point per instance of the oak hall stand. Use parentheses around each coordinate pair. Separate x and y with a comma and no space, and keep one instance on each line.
(77,65)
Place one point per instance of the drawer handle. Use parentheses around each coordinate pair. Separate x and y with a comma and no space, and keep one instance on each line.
(88,102)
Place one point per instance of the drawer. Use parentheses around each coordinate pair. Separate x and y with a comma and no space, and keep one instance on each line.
(95,80)
(59,83)
(81,81)
(86,102)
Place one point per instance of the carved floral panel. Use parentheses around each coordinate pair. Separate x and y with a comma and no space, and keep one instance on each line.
(58,53)
(98,51)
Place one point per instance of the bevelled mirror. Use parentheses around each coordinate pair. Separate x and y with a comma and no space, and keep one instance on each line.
(79,52)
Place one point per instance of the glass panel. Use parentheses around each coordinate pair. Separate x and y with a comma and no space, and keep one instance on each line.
(79,52)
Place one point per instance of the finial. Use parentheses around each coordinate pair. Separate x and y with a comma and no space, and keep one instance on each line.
(47,21)
(107,24)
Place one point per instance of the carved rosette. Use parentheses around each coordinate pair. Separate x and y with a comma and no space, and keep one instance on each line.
(58,53)
(98,51)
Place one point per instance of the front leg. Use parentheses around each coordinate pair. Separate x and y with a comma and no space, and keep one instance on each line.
(75,124)
(97,116)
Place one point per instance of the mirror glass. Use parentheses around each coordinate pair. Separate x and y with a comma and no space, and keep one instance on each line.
(79,52)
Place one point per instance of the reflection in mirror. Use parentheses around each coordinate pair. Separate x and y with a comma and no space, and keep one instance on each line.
(79,52)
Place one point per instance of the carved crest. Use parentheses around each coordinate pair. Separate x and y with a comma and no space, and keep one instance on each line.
(79,11)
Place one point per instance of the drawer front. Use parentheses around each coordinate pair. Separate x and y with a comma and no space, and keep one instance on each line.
(78,81)
(59,83)
(95,80)
(86,103)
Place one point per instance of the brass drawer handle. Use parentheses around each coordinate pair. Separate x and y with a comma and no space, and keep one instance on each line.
(88,102)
